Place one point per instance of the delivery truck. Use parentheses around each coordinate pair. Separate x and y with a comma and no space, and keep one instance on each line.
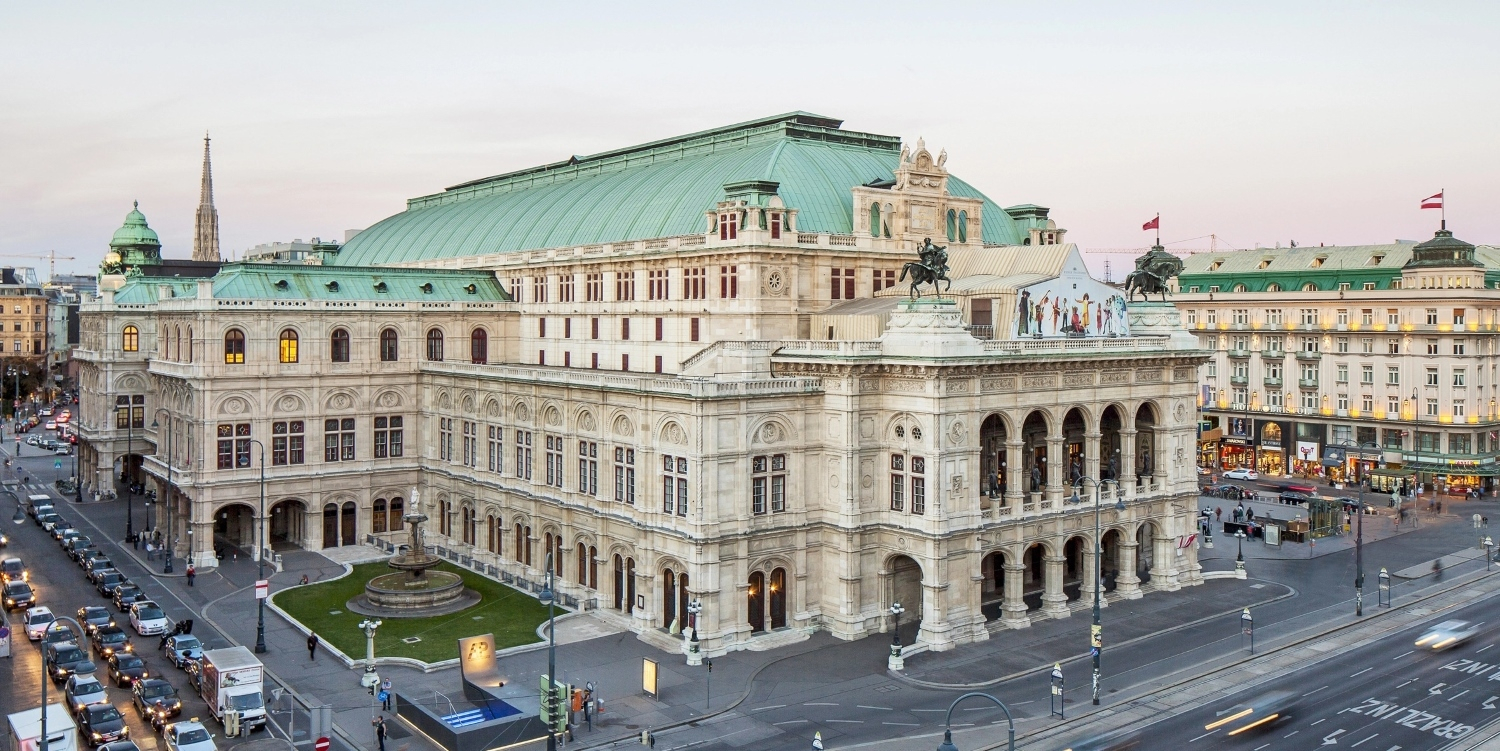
(231,682)
(26,730)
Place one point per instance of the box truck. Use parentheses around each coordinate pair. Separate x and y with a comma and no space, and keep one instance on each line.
(26,730)
(231,681)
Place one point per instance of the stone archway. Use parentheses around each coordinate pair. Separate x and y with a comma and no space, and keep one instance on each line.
(288,525)
(1076,566)
(1145,538)
(993,465)
(234,528)
(1109,560)
(992,585)
(1110,447)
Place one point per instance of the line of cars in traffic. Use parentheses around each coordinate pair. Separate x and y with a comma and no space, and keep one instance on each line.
(67,655)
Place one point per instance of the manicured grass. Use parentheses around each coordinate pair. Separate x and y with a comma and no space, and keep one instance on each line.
(510,615)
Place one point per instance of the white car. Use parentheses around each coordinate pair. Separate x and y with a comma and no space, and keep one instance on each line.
(37,621)
(1242,473)
(148,618)
(1447,634)
(188,736)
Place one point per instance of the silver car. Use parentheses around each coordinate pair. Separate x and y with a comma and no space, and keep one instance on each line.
(1446,635)
(83,690)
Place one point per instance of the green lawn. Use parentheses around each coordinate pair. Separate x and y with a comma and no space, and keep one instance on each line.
(510,615)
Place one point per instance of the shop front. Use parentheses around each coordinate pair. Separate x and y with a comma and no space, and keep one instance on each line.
(1269,459)
(1307,459)
(1235,453)
(1392,479)
(1209,442)
(1456,476)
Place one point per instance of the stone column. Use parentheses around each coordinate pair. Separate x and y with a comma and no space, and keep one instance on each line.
(1012,606)
(1164,565)
(1016,477)
(1055,468)
(1089,582)
(202,552)
(1127,583)
(1091,465)
(1127,461)
(1054,600)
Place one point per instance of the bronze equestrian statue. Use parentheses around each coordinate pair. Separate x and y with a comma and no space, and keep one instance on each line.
(1152,273)
(933,268)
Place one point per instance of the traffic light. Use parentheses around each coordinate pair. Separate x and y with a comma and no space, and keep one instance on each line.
(554,707)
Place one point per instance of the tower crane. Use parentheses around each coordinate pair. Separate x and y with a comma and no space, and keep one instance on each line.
(51,258)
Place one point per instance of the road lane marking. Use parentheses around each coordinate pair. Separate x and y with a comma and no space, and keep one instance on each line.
(1294,732)
(849,721)
(1397,657)
(1362,672)
(1356,744)
(791,722)
(1332,739)
(819,704)
(1481,649)
(1461,693)
(905,724)
(1258,748)
(1201,737)
(1409,681)
(1314,691)
(1019,703)
(929,710)
(1319,721)
(1490,702)
(773,706)
(863,706)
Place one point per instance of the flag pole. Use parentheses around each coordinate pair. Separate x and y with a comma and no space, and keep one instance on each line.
(1443,212)
(1158,228)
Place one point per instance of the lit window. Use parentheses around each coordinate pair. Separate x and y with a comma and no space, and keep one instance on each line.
(131,340)
(288,346)
(234,347)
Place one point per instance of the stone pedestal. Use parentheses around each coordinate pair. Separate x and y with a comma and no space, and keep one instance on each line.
(1156,318)
(929,326)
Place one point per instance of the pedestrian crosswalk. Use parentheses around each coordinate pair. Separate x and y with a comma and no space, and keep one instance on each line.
(31,488)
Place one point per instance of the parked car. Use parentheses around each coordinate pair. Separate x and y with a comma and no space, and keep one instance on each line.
(77,545)
(60,634)
(61,529)
(68,536)
(188,736)
(37,621)
(97,571)
(126,668)
(125,745)
(67,659)
(87,555)
(12,569)
(1242,473)
(128,594)
(45,521)
(182,648)
(148,618)
(155,700)
(102,723)
(108,640)
(107,582)
(82,690)
(98,562)
(94,616)
(18,595)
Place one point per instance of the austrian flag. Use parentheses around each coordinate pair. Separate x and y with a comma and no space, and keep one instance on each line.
(1155,223)
(1433,201)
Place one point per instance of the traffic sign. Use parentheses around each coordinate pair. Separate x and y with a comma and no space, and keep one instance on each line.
(262,589)
(321,744)
(57,464)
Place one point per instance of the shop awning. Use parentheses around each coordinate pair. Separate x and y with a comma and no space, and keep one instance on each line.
(1215,434)
(1388,472)
(1461,470)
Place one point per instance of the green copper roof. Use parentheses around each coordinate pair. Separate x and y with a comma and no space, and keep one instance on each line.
(659,189)
(266,281)
(134,232)
(1325,268)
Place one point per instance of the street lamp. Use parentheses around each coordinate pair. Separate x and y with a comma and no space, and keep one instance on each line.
(694,656)
(947,744)
(1488,543)
(260,556)
(896,661)
(547,596)
(1359,553)
(1239,560)
(370,679)
(1096,632)
(1416,443)
(46,674)
(129,486)
(167,507)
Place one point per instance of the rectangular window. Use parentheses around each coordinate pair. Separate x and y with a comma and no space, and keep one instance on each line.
(1310,373)
(471,443)
(729,226)
(1343,345)
(1311,344)
(883,278)
(842,284)
(1432,346)
(523,454)
(388,439)
(1459,377)
(1367,346)
(694,329)
(234,445)
(625,329)
(729,282)
(768,483)
(1367,403)
(624,475)
(1432,408)
(1366,316)
(674,485)
(1393,347)
(1458,316)
(918,485)
(565,288)
(658,364)
(1309,400)
(1458,411)
(695,284)
(1343,403)
(594,287)
(1458,346)
(1432,317)
(1342,373)
(1213,316)
(1343,316)
(625,285)
(1459,443)
(1392,375)
(567,328)
(287,443)
(1274,344)
(1392,317)
(1393,406)
(1273,316)
(554,459)
(1240,316)
(594,328)
(588,467)
(445,439)
(539,289)
(1367,374)
(1369,286)
(497,449)
(1432,376)
(1309,316)
(656,284)
(898,482)
(660,328)
(624,362)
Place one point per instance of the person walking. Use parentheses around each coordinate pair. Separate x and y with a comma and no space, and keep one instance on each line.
(312,646)
(380,731)
(192,573)
(385,694)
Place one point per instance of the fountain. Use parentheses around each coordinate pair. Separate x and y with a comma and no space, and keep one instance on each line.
(414,590)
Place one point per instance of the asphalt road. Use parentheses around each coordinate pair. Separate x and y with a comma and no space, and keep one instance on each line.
(1389,695)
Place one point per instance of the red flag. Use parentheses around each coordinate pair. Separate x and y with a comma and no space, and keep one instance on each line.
(1433,201)
(1155,223)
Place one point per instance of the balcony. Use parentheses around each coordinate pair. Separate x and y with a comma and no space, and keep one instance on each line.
(1240,354)
(1273,383)
(1309,384)
(1273,354)
(1239,380)
(1306,355)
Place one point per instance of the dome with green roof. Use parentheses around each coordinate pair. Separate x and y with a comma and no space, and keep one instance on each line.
(657,189)
(134,232)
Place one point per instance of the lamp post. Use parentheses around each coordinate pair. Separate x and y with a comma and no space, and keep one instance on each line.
(1416,444)
(896,661)
(947,744)
(129,486)
(1239,560)
(1359,553)
(370,679)
(694,657)
(1096,631)
(77,479)
(547,596)
(167,544)
(46,673)
(260,559)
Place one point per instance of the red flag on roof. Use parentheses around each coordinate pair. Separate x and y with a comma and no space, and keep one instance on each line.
(1155,223)
(1434,201)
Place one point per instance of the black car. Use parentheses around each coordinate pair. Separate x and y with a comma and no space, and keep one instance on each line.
(97,562)
(102,723)
(128,594)
(18,595)
(59,527)
(87,555)
(78,544)
(42,520)
(126,668)
(156,700)
(119,746)
(66,659)
(58,633)
(108,640)
(107,582)
(12,569)
(94,616)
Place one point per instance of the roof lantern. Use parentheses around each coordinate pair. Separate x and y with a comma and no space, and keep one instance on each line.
(1443,251)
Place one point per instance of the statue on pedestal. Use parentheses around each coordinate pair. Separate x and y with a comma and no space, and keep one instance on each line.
(1152,273)
(933,267)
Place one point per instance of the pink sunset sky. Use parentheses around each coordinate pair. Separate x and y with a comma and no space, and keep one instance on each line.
(1258,122)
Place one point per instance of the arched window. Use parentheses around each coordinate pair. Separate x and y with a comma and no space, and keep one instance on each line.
(234,347)
(445,526)
(339,345)
(469,525)
(176,342)
(890,213)
(1273,287)
(494,533)
(952,224)
(583,564)
(479,347)
(963,226)
(131,340)
(669,601)
(398,510)
(778,598)
(190,344)
(388,342)
(755,600)
(288,345)
(377,519)
(1310,287)
(874,220)
(435,344)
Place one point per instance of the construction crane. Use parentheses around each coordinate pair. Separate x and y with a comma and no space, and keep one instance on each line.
(51,258)
(1214,246)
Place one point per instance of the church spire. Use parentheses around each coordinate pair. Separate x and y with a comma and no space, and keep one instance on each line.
(206,236)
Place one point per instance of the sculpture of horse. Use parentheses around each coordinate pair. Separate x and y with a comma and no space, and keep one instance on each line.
(921,273)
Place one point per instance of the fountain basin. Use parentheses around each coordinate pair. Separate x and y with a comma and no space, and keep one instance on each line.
(400,595)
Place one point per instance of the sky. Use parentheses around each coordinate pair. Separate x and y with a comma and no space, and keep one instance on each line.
(1257,123)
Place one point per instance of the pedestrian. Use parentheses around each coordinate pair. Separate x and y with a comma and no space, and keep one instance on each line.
(380,732)
(304,579)
(1218,513)
(192,573)
(385,694)
(312,646)
(1439,505)
(149,551)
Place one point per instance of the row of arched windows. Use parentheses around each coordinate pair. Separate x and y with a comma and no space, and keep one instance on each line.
(339,347)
